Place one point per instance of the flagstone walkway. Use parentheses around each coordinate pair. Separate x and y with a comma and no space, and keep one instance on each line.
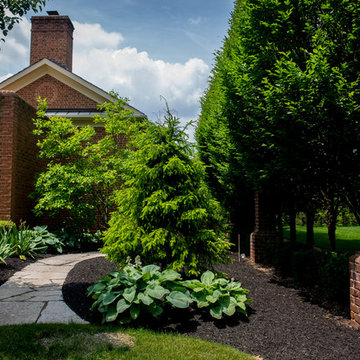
(33,295)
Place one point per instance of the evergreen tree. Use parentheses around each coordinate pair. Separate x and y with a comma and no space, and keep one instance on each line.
(164,212)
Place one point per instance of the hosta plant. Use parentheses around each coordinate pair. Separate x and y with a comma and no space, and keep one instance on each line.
(219,295)
(49,240)
(128,293)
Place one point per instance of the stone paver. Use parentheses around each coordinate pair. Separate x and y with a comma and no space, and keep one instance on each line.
(33,295)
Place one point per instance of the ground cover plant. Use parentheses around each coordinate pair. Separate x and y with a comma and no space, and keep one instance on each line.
(23,241)
(347,237)
(42,342)
(124,295)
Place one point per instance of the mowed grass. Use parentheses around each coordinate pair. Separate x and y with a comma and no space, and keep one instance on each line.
(75,342)
(347,237)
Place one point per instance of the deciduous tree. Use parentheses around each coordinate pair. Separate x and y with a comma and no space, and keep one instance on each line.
(11,12)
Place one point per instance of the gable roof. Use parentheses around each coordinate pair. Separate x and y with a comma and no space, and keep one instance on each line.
(49,67)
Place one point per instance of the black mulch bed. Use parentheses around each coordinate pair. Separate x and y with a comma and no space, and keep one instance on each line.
(282,324)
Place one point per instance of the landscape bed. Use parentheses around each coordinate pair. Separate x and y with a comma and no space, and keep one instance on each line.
(282,324)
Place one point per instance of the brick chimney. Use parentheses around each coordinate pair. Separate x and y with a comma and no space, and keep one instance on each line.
(51,38)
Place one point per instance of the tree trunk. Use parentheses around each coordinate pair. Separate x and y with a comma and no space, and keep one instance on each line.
(310,217)
(292,220)
(331,215)
(280,226)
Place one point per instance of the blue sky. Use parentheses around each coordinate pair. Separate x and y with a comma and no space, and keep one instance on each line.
(140,48)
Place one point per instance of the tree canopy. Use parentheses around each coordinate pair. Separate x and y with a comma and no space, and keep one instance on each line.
(288,98)
(12,10)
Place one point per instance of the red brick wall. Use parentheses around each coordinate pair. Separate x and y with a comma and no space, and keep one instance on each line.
(6,146)
(264,227)
(51,37)
(58,94)
(18,158)
(100,133)
(355,290)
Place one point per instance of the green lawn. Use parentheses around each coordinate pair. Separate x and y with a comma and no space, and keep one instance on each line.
(51,341)
(347,237)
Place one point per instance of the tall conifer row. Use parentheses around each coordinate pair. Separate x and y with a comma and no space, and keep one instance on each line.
(288,100)
(165,213)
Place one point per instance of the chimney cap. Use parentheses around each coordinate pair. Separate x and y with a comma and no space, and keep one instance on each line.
(52,12)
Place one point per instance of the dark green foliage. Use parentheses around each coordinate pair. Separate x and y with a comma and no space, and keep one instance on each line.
(315,268)
(284,97)
(84,241)
(12,10)
(164,212)
(216,148)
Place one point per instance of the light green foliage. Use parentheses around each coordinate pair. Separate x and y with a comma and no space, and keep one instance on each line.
(218,294)
(164,212)
(6,249)
(81,174)
(128,293)
(6,223)
(12,10)
(82,342)
(22,241)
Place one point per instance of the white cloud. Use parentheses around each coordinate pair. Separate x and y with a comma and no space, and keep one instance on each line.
(136,75)
(94,36)
(100,59)
(15,51)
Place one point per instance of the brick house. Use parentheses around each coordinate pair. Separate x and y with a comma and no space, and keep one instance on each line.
(68,95)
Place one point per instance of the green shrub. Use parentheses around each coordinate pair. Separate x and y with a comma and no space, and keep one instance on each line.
(80,240)
(333,274)
(80,174)
(22,241)
(322,269)
(165,212)
(5,250)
